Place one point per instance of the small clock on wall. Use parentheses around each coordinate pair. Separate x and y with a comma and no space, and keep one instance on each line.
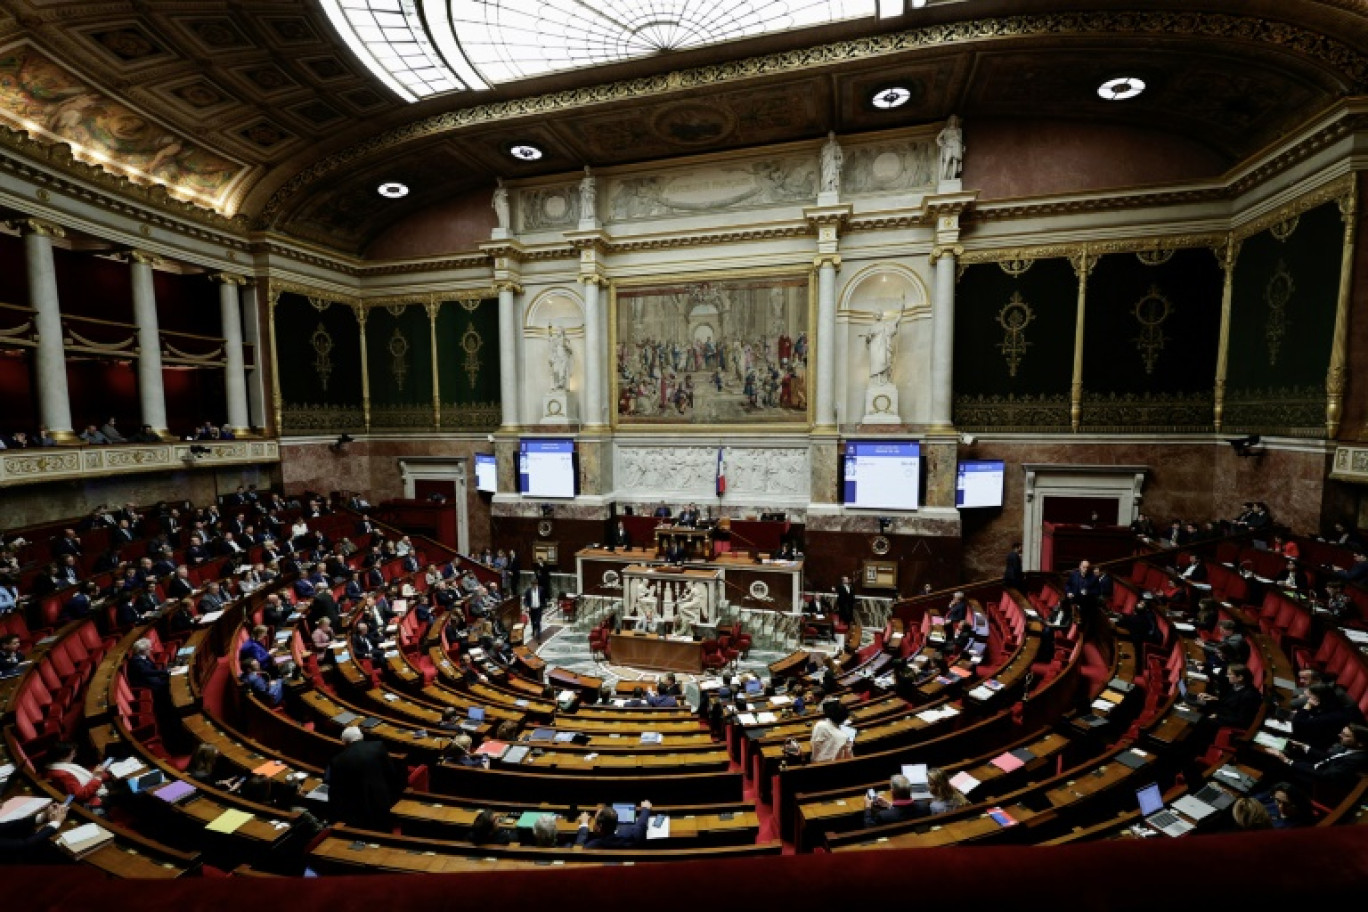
(880,545)
(544,528)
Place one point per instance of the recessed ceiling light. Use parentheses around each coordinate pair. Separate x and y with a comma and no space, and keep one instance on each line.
(526,152)
(1121,88)
(392,190)
(891,97)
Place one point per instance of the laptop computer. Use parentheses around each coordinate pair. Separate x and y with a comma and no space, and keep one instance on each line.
(626,813)
(1215,796)
(1151,802)
(345,717)
(476,714)
(1194,808)
(369,722)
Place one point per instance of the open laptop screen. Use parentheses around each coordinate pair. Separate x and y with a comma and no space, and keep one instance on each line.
(1150,798)
(1182,688)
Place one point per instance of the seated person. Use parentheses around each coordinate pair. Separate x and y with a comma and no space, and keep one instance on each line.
(259,647)
(70,778)
(143,672)
(1341,765)
(1141,624)
(1320,718)
(944,796)
(1240,703)
(901,806)
(322,636)
(10,656)
(460,752)
(28,841)
(606,834)
(365,643)
(485,830)
(256,681)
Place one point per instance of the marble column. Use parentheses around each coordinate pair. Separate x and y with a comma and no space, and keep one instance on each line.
(1226,254)
(594,363)
(54,405)
(256,376)
(1338,374)
(509,365)
(943,336)
(827,264)
(1083,264)
(234,371)
(151,391)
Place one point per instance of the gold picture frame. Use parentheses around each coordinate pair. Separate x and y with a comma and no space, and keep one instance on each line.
(879,574)
(545,552)
(714,350)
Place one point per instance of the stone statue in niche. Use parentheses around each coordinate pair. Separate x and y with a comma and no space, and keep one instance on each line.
(832,157)
(559,360)
(951,143)
(882,342)
(588,191)
(500,203)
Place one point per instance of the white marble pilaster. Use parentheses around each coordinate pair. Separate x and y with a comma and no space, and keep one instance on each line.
(594,363)
(151,391)
(256,376)
(943,336)
(54,405)
(234,372)
(508,354)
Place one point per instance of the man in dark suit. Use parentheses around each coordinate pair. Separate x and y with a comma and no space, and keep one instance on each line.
(1082,585)
(1341,765)
(1241,702)
(900,806)
(363,782)
(620,537)
(1013,577)
(662,512)
(845,600)
(607,835)
(534,600)
(67,544)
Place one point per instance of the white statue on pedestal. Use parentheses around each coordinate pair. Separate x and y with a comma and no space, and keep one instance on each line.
(559,360)
(500,203)
(588,193)
(689,609)
(951,143)
(646,602)
(832,157)
(882,342)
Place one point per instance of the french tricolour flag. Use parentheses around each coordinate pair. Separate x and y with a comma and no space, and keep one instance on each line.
(721,473)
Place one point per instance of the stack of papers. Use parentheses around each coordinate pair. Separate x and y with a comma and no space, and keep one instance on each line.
(656,737)
(659,828)
(964,782)
(1272,742)
(982,692)
(230,821)
(22,806)
(86,838)
(122,769)
(746,718)
(766,718)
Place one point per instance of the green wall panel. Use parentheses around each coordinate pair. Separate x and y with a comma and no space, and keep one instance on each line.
(1014,340)
(468,364)
(399,358)
(319,366)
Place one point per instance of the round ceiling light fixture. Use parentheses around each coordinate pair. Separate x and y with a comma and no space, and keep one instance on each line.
(393,190)
(890,97)
(1121,88)
(526,152)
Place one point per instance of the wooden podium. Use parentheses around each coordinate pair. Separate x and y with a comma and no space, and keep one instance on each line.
(656,653)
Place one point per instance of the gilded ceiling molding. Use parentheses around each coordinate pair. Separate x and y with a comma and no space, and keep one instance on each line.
(276,286)
(1148,245)
(1336,189)
(473,261)
(1287,37)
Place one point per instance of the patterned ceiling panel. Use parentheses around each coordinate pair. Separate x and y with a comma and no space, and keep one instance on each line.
(264,92)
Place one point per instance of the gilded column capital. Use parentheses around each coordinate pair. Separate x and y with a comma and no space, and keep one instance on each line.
(509,286)
(1228,253)
(593,278)
(228,278)
(954,251)
(362,313)
(1083,262)
(142,257)
(38,227)
(827,259)
(433,308)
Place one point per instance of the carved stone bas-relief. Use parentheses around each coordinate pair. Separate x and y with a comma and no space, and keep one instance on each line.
(754,474)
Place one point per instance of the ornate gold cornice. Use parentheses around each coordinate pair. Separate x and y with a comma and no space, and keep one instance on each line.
(1106,24)
(472,261)
(228,278)
(38,227)
(275,287)
(1337,189)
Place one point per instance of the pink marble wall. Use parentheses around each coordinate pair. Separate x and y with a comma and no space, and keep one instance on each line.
(455,226)
(372,467)
(1191,481)
(1011,159)
(41,503)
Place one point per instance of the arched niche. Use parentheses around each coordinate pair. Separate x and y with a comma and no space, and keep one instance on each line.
(875,290)
(551,310)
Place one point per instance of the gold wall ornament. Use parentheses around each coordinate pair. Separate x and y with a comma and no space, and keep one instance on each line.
(1284,229)
(1151,312)
(322,346)
(1016,267)
(399,349)
(1156,257)
(396,310)
(471,343)
(1277,293)
(1014,317)
(470,304)
(319,304)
